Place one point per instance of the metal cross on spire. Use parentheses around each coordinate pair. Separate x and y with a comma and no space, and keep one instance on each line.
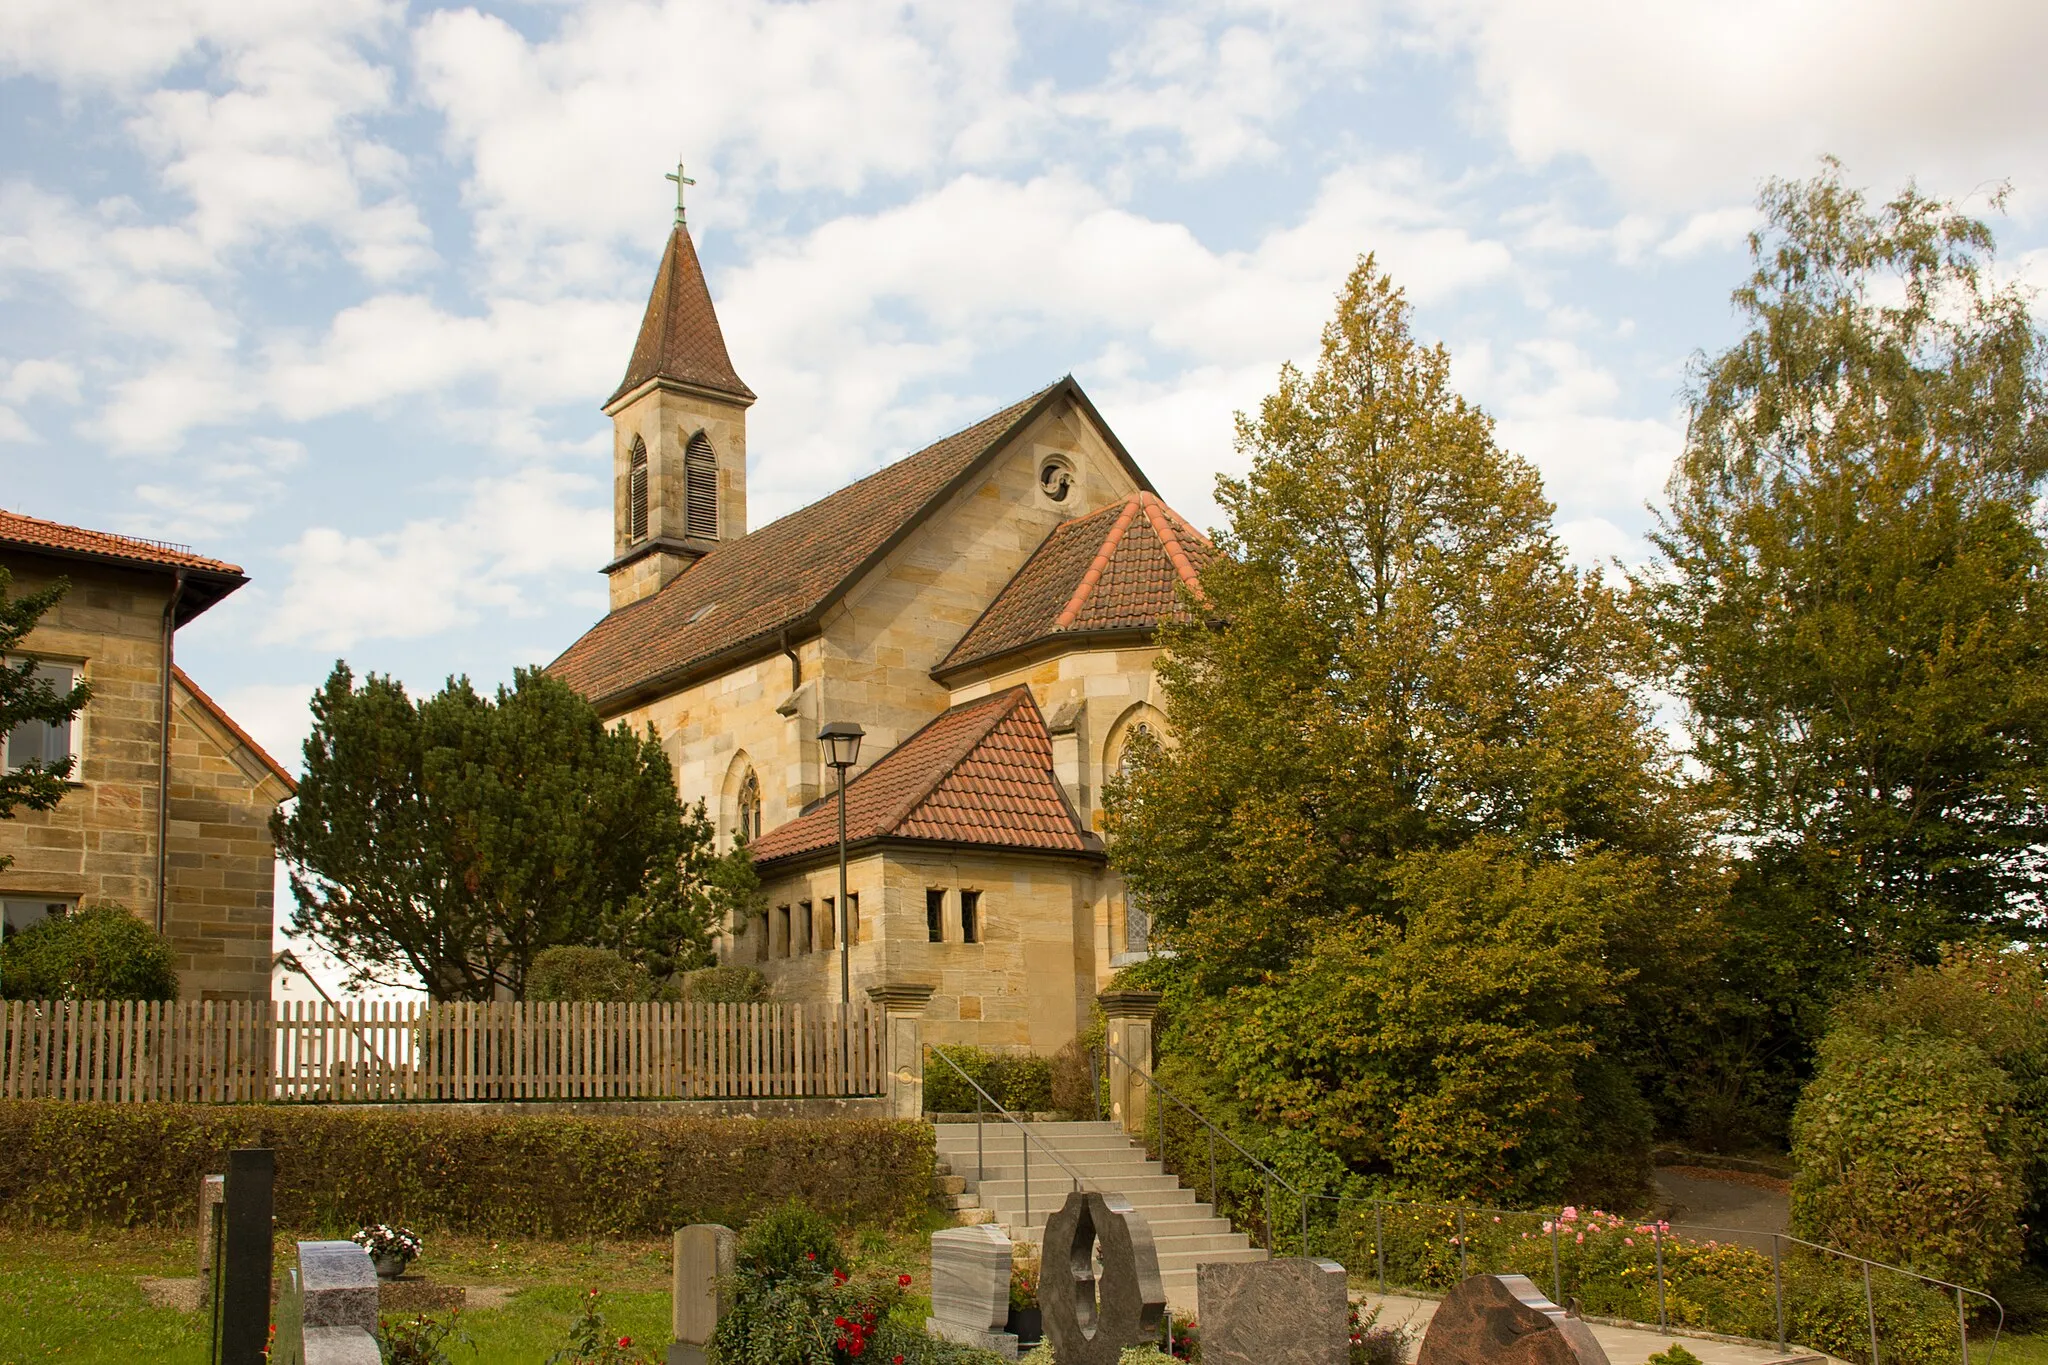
(681,180)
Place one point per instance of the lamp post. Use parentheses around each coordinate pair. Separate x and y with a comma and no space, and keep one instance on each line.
(841,739)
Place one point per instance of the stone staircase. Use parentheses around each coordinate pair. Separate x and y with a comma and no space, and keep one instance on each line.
(1185,1233)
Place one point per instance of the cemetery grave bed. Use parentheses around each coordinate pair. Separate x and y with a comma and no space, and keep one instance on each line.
(73,1296)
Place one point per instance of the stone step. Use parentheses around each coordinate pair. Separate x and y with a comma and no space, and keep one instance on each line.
(1054,1180)
(973,1217)
(1165,1228)
(948,1184)
(1100,1127)
(1007,1140)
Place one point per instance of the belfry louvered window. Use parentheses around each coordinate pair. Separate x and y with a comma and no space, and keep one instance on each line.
(636,493)
(700,480)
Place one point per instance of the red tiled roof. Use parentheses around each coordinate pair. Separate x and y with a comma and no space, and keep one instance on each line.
(783,576)
(249,741)
(680,338)
(1116,569)
(16,529)
(980,773)
(207,580)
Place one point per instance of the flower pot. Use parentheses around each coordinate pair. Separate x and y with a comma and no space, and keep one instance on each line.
(390,1264)
(1027,1325)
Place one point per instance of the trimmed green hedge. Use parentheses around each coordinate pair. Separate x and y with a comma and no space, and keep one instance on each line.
(1019,1081)
(72,1163)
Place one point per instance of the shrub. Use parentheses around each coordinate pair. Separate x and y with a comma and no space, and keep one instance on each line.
(797,1300)
(725,986)
(1079,1082)
(1017,1081)
(98,953)
(592,1341)
(1676,1354)
(71,1163)
(597,974)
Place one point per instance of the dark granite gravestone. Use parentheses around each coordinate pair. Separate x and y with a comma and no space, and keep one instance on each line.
(1090,1319)
(241,1310)
(327,1314)
(1286,1312)
(1505,1320)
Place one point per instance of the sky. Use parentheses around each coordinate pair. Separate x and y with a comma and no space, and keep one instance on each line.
(333,289)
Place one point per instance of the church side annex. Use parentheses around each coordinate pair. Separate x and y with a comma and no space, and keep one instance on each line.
(984,608)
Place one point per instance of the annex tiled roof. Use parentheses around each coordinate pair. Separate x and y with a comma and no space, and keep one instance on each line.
(980,773)
(208,580)
(248,741)
(1116,569)
(679,336)
(784,575)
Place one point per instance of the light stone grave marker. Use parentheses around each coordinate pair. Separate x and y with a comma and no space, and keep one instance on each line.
(327,1314)
(971,1288)
(1292,1311)
(704,1253)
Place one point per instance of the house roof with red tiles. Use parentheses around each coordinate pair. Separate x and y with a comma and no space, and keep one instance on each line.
(680,338)
(248,741)
(740,599)
(980,773)
(206,580)
(1116,571)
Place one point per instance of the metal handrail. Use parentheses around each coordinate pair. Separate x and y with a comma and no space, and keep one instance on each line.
(1272,1176)
(1024,1147)
(1554,1226)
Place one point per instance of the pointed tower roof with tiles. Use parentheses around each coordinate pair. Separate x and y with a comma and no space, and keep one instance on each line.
(680,339)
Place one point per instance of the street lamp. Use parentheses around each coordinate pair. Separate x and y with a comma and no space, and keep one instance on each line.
(841,739)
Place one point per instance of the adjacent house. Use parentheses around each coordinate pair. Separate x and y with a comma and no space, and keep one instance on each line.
(985,609)
(169,809)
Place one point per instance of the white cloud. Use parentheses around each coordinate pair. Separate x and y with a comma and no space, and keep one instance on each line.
(13,428)
(432,575)
(223,491)
(28,380)
(1683,106)
(278,715)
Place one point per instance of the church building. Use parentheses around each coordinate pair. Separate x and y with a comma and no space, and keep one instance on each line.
(983,609)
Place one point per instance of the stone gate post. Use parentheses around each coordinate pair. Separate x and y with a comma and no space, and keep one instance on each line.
(903,1005)
(1130,1015)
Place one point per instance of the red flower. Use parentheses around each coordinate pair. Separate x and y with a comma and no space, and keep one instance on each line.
(903,1280)
(808,1256)
(840,1323)
(624,1342)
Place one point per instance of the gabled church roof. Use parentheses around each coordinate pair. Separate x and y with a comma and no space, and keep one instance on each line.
(736,600)
(980,773)
(679,336)
(1116,570)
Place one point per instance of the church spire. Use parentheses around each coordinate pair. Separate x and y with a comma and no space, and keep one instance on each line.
(680,339)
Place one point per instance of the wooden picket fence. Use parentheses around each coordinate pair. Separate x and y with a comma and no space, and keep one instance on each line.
(237,1051)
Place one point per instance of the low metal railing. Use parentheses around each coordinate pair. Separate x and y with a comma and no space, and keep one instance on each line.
(1272,1177)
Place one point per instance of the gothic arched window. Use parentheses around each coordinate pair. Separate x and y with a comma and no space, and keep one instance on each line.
(1123,763)
(700,485)
(636,493)
(750,808)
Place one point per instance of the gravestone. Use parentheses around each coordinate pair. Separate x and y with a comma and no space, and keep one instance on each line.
(327,1314)
(704,1253)
(1090,1318)
(241,1307)
(971,1288)
(1505,1320)
(1286,1312)
(209,1200)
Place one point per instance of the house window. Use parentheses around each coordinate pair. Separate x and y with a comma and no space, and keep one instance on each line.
(783,925)
(19,912)
(970,917)
(767,932)
(38,741)
(853,917)
(1137,927)
(750,807)
(828,932)
(700,484)
(935,916)
(636,494)
(809,931)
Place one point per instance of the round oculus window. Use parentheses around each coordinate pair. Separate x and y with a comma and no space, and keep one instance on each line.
(1056,479)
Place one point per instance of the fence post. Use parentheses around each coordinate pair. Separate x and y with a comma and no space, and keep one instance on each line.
(1962,1325)
(1556,1271)
(1379,1241)
(1461,1243)
(1870,1312)
(1778,1285)
(1657,1238)
(1024,1146)
(1129,1015)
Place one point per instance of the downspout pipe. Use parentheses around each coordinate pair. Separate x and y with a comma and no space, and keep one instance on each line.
(163,766)
(796,665)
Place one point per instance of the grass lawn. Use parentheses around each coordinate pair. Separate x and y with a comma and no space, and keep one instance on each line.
(72,1297)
